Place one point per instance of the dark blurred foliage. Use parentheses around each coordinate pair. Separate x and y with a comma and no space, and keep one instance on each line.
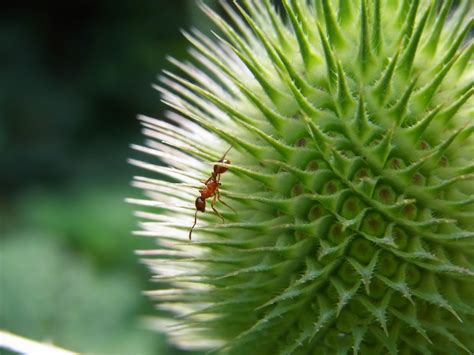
(73,76)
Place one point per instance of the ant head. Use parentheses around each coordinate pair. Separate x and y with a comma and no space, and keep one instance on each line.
(200,204)
(218,169)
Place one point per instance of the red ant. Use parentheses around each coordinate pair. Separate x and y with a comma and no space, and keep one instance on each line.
(211,189)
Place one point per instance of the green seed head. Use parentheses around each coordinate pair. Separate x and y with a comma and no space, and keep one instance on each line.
(351,176)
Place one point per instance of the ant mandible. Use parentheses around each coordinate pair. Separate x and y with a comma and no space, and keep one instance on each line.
(211,189)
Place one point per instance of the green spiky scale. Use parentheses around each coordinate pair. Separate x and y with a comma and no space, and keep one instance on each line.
(332,27)
(433,39)
(365,50)
(351,175)
(376,29)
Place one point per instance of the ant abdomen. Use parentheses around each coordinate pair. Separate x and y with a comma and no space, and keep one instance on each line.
(200,204)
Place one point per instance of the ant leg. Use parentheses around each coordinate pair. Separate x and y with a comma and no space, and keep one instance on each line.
(213,203)
(205,181)
(195,220)
(225,204)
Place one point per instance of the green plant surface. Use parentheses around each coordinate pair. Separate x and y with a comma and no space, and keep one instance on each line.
(90,218)
(68,275)
(51,294)
(351,177)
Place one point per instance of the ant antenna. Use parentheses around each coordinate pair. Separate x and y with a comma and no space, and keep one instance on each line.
(227,151)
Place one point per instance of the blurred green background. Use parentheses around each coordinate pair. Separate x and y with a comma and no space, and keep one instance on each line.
(73,76)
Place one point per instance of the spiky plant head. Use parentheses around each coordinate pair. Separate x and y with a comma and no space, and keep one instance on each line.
(351,174)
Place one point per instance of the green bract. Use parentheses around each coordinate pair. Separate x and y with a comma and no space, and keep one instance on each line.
(351,175)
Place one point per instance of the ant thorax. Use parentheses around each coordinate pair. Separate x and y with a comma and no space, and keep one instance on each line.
(209,189)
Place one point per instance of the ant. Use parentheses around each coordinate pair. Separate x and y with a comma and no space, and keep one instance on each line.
(211,189)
